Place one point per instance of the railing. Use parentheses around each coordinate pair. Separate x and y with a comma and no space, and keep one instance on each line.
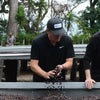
(23,52)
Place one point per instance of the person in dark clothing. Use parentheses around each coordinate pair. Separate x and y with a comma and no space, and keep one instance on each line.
(92,61)
(49,50)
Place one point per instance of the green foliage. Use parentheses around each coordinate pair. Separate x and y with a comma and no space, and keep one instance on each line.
(3,39)
(20,37)
(3,26)
(30,17)
(69,19)
(20,17)
(30,20)
(40,10)
(0,37)
(42,5)
(81,39)
(25,39)
(89,22)
(29,38)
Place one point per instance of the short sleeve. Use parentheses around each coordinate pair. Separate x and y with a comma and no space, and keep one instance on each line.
(34,51)
(70,49)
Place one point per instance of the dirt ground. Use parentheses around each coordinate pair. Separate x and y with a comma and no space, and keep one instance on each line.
(26,76)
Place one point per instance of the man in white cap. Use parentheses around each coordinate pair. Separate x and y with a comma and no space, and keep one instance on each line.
(11,39)
(51,50)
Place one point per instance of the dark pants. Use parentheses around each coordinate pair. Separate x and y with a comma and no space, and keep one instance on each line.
(11,70)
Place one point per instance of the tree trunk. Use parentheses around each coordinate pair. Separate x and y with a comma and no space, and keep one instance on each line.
(12,23)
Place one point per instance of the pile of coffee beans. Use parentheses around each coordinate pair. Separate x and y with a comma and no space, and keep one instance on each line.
(49,97)
(13,97)
(62,97)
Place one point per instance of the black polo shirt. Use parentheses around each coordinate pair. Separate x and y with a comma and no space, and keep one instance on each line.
(50,56)
(92,56)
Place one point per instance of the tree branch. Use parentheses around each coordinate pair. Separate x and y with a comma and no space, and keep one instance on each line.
(94,3)
(3,7)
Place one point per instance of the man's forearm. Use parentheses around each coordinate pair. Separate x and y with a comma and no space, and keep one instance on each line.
(87,74)
(38,71)
(68,64)
(35,68)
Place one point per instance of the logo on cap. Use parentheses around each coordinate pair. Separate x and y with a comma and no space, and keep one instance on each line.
(58,25)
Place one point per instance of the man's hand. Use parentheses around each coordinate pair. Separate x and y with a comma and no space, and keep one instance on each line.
(49,74)
(53,73)
(11,44)
(89,83)
(58,70)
